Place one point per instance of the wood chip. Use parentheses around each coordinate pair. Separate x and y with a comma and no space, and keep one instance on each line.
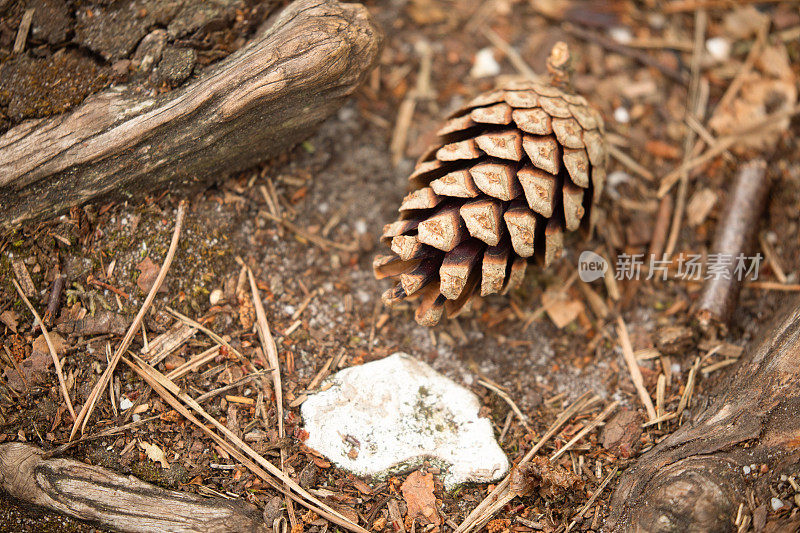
(445,230)
(456,267)
(496,179)
(504,144)
(458,183)
(24,277)
(521,224)
(423,198)
(493,268)
(568,132)
(535,121)
(467,149)
(573,206)
(482,218)
(700,205)
(543,152)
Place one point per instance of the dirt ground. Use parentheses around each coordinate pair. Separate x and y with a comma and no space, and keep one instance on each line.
(321,301)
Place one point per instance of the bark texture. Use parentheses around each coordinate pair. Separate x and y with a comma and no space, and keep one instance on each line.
(121,503)
(254,104)
(693,481)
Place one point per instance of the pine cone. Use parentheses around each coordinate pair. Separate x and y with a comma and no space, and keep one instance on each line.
(509,172)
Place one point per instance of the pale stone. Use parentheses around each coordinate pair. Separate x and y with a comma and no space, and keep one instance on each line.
(394,413)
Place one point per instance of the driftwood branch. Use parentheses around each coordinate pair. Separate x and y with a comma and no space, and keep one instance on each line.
(256,103)
(121,503)
(695,479)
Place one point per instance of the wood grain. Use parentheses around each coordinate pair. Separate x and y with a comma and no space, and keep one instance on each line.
(256,103)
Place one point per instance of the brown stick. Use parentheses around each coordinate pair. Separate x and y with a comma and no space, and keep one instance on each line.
(256,103)
(735,235)
(121,503)
(694,480)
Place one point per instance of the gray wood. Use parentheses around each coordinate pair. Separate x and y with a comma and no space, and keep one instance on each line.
(120,503)
(256,103)
(693,480)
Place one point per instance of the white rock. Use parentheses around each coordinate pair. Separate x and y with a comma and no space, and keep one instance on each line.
(215,297)
(485,64)
(776,504)
(125,403)
(394,413)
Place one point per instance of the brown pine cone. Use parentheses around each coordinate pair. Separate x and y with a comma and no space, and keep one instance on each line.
(508,173)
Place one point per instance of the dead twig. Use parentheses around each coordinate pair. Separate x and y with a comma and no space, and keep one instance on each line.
(503,493)
(619,48)
(633,368)
(735,235)
(22,31)
(56,363)
(88,407)
(242,452)
(271,352)
(322,242)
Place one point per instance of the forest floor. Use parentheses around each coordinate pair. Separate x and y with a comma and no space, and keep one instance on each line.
(322,301)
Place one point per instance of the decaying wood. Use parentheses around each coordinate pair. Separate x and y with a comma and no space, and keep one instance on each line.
(695,480)
(121,503)
(258,102)
(736,234)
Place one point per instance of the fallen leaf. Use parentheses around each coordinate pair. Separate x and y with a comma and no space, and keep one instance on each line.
(154,453)
(10,319)
(148,274)
(561,308)
(418,493)
(40,344)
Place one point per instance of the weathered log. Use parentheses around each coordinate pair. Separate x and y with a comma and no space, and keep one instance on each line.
(256,103)
(695,479)
(121,503)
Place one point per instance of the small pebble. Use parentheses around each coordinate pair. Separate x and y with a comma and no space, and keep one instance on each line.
(215,297)
(125,403)
(776,504)
(621,34)
(719,48)
(622,115)
(485,64)
(746,470)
